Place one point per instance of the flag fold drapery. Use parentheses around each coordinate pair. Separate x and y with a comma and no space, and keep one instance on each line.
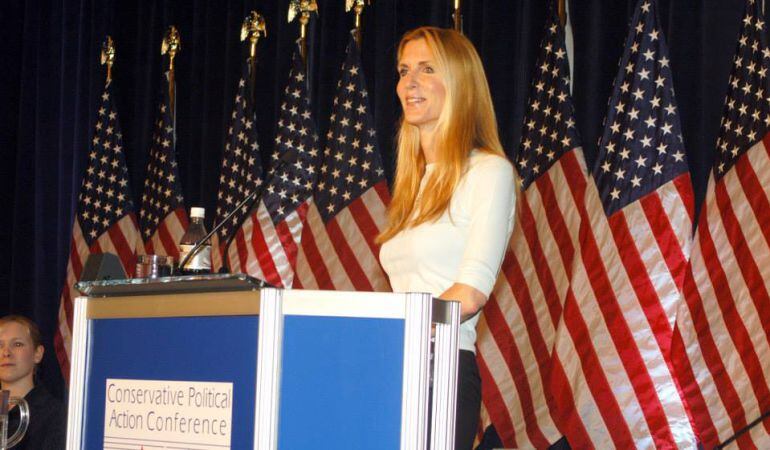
(722,342)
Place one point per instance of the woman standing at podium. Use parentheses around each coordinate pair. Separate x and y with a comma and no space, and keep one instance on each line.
(451,214)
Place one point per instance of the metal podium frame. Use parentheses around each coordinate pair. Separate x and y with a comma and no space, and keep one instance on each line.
(228,295)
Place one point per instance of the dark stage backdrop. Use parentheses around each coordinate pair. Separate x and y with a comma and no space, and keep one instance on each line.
(50,80)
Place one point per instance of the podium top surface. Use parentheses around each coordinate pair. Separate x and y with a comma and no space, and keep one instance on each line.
(170,285)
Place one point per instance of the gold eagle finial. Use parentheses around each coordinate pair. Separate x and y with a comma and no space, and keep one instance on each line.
(108,55)
(253,26)
(303,8)
(349,4)
(171,42)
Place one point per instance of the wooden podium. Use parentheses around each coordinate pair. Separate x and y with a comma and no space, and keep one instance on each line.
(216,362)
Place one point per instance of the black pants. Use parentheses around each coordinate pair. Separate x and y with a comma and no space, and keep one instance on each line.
(468,401)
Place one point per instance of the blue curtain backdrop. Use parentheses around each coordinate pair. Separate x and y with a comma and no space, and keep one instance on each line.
(51,78)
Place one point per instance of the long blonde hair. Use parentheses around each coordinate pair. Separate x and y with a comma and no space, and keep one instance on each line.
(467,121)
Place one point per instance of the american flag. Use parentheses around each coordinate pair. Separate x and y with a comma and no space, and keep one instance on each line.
(162,216)
(722,345)
(104,221)
(241,172)
(617,388)
(518,326)
(273,229)
(338,249)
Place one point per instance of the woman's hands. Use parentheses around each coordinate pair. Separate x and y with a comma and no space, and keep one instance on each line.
(470,298)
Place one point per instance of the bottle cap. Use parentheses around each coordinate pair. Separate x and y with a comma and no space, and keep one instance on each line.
(197,212)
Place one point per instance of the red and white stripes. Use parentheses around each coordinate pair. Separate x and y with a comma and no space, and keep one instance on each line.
(120,239)
(722,347)
(165,240)
(268,251)
(518,327)
(615,337)
(341,254)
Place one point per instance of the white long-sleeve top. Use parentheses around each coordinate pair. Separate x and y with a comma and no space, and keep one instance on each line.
(465,245)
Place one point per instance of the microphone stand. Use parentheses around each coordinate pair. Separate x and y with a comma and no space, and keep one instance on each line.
(743,430)
(198,245)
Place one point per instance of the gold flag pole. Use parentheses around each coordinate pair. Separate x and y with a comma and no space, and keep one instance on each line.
(171,44)
(108,56)
(303,8)
(562,12)
(457,16)
(358,7)
(253,28)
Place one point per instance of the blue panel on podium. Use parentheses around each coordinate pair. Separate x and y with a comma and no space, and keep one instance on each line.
(336,372)
(220,349)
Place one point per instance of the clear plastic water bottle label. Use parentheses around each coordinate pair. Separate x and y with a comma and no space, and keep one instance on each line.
(201,261)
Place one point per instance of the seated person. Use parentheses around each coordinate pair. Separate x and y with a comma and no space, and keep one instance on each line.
(21,350)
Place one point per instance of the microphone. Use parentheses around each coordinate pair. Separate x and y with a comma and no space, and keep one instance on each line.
(196,248)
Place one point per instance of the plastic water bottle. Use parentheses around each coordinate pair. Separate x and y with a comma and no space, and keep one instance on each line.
(200,262)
